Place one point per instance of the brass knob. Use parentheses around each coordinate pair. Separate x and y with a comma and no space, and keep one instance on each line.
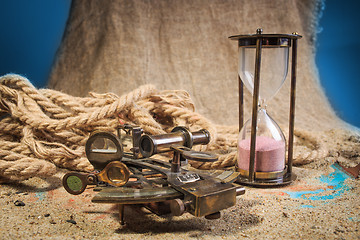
(177,207)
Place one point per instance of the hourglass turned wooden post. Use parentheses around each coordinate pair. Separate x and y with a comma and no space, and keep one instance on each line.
(255,106)
(241,103)
(261,146)
(292,104)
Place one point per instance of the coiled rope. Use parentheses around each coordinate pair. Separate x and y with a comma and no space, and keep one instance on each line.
(42,129)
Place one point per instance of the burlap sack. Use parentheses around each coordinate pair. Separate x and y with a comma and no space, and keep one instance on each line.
(115,46)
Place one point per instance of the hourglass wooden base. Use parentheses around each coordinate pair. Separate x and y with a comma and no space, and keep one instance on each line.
(266,179)
(263,175)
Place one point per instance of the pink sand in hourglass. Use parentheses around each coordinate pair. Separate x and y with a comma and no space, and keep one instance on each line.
(269,154)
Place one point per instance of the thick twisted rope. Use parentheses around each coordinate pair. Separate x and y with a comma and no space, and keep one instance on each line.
(44,129)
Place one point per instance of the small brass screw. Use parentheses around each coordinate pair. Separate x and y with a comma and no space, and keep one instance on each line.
(91,179)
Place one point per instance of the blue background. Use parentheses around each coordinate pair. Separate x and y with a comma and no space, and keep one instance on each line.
(31,32)
(337,57)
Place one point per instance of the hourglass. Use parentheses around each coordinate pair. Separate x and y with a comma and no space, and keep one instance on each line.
(261,143)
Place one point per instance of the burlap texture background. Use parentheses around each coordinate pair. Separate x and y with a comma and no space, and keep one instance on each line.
(115,46)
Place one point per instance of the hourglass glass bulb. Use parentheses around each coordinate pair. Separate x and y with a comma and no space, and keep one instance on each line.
(269,147)
(274,68)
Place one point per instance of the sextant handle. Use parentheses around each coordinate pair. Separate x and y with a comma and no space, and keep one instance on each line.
(194,155)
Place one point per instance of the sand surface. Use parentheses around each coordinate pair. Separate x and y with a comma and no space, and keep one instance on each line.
(320,204)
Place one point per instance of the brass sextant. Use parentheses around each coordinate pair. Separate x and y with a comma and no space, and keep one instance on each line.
(126,173)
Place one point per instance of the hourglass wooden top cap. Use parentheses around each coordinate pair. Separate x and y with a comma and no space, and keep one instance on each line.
(268,40)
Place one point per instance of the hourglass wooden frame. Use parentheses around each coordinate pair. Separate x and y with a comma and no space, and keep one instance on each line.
(260,40)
